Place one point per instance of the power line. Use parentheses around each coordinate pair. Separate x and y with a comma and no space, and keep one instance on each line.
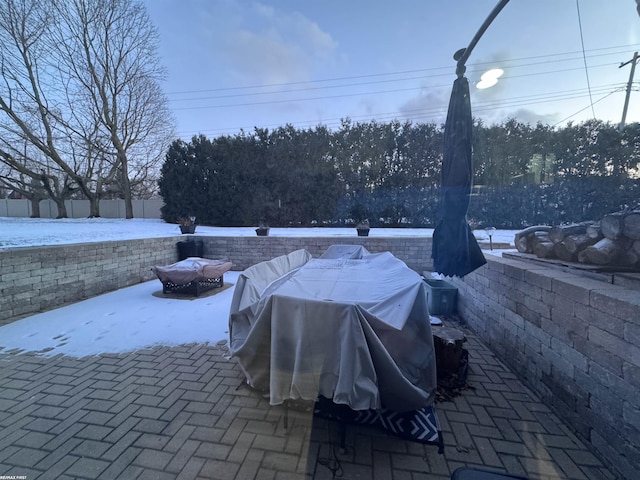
(347,95)
(586,69)
(290,100)
(256,94)
(439,111)
(446,69)
(585,108)
(387,78)
(306,89)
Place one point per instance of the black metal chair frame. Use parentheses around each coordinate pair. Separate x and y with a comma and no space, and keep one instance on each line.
(195,287)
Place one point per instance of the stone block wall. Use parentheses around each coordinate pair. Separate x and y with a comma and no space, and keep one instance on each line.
(247,251)
(36,279)
(574,341)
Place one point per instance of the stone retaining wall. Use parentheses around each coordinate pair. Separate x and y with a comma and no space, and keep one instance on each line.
(36,279)
(247,251)
(574,341)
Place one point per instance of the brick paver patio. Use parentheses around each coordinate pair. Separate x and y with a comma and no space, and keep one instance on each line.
(177,413)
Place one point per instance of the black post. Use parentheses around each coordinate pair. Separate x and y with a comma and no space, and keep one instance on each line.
(462,55)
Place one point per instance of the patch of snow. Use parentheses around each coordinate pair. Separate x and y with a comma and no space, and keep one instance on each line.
(125,320)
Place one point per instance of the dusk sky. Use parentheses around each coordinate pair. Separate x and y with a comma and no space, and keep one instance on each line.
(235,64)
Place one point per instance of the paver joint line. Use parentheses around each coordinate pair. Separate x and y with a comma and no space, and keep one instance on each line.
(177,412)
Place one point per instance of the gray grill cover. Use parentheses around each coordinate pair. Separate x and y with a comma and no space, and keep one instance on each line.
(355,330)
(192,269)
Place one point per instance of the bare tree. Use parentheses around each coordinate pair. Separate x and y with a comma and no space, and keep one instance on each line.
(110,47)
(24,106)
(80,82)
(20,178)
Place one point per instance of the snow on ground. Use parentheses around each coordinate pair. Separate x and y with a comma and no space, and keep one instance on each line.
(137,317)
(28,232)
(126,320)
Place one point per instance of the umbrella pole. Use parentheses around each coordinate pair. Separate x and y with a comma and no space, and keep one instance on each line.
(462,55)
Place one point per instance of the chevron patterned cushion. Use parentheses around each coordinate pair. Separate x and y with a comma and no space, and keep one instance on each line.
(419,425)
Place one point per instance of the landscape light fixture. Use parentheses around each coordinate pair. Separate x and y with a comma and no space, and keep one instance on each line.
(490,231)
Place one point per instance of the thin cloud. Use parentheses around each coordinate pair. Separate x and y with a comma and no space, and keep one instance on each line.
(523,115)
(427,107)
(529,116)
(275,46)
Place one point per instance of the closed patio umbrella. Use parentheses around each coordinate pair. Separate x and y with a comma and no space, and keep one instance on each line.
(455,249)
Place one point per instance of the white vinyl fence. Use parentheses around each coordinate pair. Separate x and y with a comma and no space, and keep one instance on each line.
(80,208)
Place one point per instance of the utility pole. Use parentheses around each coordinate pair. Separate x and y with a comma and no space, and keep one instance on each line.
(633,62)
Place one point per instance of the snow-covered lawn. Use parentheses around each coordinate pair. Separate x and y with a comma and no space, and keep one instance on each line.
(23,232)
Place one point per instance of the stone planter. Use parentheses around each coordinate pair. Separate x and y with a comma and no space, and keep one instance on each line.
(262,231)
(187,229)
(363,232)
